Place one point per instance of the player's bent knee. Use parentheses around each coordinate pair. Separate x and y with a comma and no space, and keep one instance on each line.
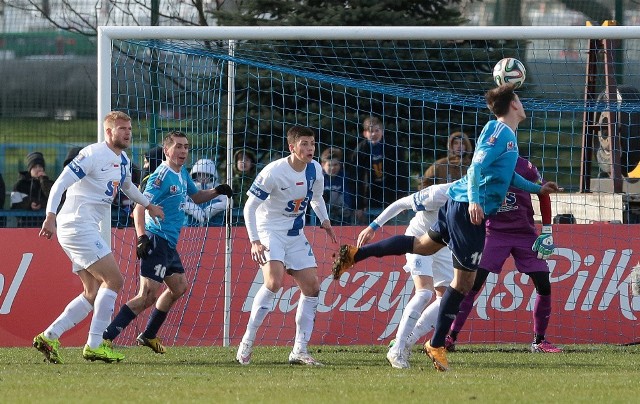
(115,282)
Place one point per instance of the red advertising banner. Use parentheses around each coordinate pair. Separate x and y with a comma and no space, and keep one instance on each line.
(592,302)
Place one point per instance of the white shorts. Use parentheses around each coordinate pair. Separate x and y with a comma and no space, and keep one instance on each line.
(293,251)
(83,248)
(439,266)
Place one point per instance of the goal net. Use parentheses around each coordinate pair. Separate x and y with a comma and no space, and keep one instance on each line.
(236,91)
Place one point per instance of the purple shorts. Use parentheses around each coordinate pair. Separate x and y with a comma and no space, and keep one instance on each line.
(498,247)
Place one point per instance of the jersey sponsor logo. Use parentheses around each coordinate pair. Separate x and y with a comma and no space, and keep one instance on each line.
(285,188)
(297,205)
(157,183)
(509,203)
(112,188)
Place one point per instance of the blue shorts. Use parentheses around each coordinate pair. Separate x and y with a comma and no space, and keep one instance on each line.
(465,240)
(162,261)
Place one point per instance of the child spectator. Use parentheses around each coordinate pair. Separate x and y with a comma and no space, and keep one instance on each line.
(244,172)
(381,172)
(338,188)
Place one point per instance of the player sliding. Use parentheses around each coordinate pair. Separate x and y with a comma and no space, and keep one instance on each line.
(461,221)
(428,273)
(274,216)
(512,232)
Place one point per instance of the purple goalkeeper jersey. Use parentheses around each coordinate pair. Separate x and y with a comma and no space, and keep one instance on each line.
(515,216)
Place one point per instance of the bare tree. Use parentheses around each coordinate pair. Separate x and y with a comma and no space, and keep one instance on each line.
(84,16)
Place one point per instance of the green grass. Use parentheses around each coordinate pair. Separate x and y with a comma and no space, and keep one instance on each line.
(355,374)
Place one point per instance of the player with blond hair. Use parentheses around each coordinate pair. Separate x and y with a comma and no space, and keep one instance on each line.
(91,181)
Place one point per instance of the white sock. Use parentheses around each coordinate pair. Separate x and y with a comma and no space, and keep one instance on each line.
(76,311)
(305,319)
(262,305)
(410,316)
(103,310)
(426,322)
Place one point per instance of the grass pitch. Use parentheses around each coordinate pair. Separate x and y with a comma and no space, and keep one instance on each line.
(352,374)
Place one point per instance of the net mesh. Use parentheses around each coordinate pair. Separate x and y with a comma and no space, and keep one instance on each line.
(422,91)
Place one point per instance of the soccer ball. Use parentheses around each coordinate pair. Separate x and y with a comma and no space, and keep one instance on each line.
(509,70)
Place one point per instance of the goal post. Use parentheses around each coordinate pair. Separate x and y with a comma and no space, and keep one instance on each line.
(237,89)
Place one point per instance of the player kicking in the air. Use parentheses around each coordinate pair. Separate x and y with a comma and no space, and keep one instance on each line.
(461,221)
(169,186)
(91,180)
(428,272)
(512,232)
(274,217)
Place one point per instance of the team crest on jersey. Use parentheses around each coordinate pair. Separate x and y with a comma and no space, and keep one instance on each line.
(173,189)
(492,139)
(511,145)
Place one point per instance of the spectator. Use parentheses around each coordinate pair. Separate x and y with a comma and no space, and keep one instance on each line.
(454,166)
(152,159)
(244,172)
(338,188)
(205,177)
(32,190)
(380,174)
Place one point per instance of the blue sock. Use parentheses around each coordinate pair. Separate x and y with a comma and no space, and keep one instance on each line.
(449,307)
(124,317)
(395,245)
(156,319)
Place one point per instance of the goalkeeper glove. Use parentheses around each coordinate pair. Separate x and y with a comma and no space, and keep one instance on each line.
(544,243)
(224,189)
(143,247)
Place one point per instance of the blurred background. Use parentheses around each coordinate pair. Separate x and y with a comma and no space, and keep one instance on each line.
(48,56)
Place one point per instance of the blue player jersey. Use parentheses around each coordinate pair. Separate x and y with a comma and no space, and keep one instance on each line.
(492,170)
(168,189)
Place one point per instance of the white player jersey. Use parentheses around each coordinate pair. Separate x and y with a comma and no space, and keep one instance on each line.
(426,203)
(100,172)
(286,194)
